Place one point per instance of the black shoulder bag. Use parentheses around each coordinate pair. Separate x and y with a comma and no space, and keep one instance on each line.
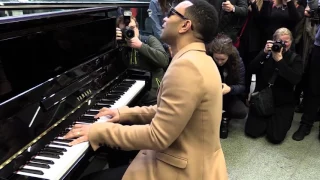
(262,102)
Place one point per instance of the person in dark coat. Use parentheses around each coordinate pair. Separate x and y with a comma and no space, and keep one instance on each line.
(277,125)
(232,73)
(232,15)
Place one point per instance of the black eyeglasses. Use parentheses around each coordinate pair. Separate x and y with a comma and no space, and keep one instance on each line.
(172,11)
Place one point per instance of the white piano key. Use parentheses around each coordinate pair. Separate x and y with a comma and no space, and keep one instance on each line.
(127,97)
(77,122)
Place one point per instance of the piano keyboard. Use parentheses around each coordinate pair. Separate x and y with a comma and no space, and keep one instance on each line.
(57,158)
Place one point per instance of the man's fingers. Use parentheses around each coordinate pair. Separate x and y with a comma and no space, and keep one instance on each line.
(69,135)
(99,115)
(78,141)
(112,120)
(103,109)
(77,126)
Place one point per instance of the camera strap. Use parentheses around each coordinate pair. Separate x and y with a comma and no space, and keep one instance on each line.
(133,57)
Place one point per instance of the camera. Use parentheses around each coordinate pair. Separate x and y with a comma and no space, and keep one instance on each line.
(277,45)
(314,16)
(127,32)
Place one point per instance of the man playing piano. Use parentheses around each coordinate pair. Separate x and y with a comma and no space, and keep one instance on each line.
(178,137)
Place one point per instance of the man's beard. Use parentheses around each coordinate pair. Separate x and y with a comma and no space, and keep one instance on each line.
(167,38)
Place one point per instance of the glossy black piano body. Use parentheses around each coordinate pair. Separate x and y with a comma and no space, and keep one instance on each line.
(54,67)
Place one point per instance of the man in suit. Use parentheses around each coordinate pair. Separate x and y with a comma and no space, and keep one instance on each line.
(178,137)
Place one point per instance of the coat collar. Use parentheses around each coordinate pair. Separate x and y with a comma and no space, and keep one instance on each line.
(190,47)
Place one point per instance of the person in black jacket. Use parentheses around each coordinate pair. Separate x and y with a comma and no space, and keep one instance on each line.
(277,125)
(280,13)
(232,73)
(232,15)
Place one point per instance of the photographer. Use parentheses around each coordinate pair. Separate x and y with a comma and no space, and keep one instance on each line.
(278,64)
(142,52)
(312,92)
(232,73)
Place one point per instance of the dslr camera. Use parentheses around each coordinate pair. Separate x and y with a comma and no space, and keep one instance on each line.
(127,32)
(277,45)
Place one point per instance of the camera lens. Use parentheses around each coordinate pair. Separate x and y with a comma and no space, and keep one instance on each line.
(276,47)
(129,33)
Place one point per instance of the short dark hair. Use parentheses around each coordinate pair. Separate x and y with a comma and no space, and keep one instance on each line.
(204,19)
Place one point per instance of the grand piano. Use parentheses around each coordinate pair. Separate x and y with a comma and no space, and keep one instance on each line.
(58,69)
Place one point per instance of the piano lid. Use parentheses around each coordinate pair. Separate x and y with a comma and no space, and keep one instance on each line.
(44,4)
(49,45)
(43,62)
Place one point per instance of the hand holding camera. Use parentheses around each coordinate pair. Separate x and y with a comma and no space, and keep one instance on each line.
(129,37)
(276,48)
(118,34)
(268,46)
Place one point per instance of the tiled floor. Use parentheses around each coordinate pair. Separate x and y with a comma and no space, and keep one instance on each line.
(257,159)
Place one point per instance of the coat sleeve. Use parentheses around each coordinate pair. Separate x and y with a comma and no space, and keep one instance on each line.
(255,65)
(155,52)
(240,87)
(137,115)
(292,72)
(241,8)
(179,99)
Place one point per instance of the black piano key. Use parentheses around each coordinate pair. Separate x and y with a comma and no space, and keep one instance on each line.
(50,155)
(124,86)
(113,97)
(121,88)
(92,112)
(117,92)
(103,104)
(42,161)
(59,144)
(107,101)
(63,140)
(45,166)
(100,106)
(58,149)
(50,151)
(127,81)
(31,171)
(88,118)
(85,121)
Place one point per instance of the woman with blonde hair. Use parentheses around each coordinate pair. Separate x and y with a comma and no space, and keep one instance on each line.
(279,69)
